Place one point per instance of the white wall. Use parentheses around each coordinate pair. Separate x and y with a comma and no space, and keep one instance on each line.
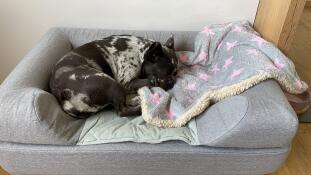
(22,22)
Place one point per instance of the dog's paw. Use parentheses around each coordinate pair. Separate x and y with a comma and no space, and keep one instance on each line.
(130,111)
(133,100)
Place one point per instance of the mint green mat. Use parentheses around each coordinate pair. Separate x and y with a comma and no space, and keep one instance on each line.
(108,127)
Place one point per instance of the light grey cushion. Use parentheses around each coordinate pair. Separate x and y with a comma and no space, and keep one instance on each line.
(171,158)
(260,117)
(29,114)
(35,68)
(184,40)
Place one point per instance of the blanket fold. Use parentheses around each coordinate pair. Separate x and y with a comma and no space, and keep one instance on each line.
(227,60)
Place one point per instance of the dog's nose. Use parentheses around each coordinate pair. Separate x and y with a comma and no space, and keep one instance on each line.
(171,81)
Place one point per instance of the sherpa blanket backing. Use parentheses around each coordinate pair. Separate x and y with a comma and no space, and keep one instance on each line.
(227,60)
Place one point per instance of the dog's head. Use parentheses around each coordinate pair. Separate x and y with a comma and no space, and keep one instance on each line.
(160,63)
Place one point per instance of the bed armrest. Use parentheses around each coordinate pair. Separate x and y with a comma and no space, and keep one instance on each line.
(260,117)
(35,68)
(28,113)
(33,116)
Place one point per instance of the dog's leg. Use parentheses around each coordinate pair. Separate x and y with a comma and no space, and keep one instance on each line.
(130,111)
(121,107)
(134,85)
(132,100)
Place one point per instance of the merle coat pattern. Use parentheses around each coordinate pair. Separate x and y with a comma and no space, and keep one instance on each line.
(103,72)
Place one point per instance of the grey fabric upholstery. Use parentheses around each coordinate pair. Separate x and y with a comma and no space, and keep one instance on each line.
(28,113)
(34,69)
(30,116)
(172,158)
(183,40)
(260,117)
(30,119)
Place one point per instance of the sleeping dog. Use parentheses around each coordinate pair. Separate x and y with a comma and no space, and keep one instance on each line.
(105,71)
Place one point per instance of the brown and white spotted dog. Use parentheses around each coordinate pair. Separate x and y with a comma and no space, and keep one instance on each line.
(105,71)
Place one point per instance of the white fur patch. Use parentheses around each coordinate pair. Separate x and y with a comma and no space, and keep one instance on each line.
(77,102)
(93,64)
(67,105)
(62,70)
(104,75)
(72,77)
(100,74)
(85,76)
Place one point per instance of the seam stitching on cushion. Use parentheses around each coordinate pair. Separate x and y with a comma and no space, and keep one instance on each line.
(144,152)
(35,98)
(138,139)
(247,111)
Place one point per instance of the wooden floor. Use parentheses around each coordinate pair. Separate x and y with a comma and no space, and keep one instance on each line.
(299,161)
(2,172)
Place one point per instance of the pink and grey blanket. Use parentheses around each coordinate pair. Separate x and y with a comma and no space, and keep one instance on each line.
(227,60)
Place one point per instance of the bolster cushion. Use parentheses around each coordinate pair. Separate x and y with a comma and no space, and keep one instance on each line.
(260,117)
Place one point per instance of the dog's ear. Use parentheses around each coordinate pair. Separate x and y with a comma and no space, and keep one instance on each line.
(170,42)
(154,50)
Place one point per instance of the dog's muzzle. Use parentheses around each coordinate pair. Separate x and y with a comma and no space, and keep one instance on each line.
(167,83)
